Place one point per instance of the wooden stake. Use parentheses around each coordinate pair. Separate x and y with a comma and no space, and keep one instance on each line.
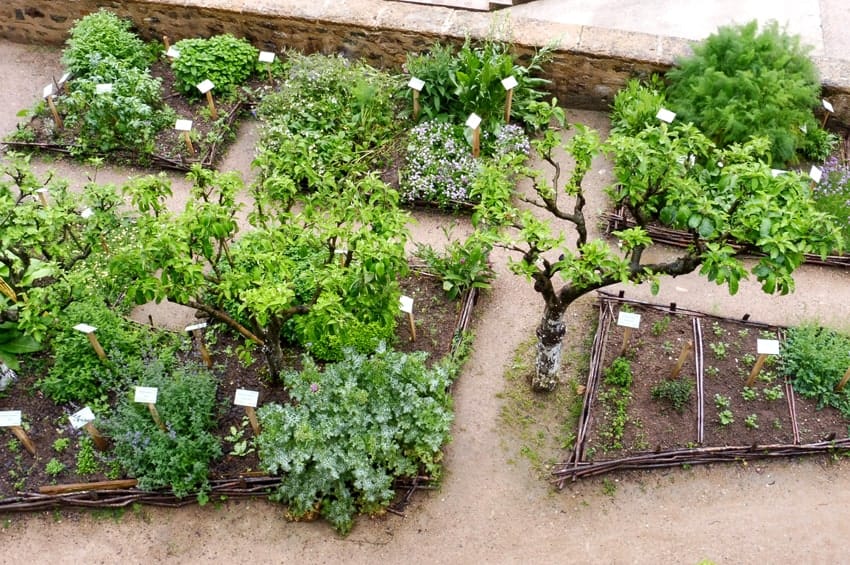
(56,118)
(476,142)
(683,356)
(211,104)
(416,107)
(825,119)
(508,103)
(756,369)
(188,141)
(96,345)
(269,69)
(252,417)
(412,326)
(843,382)
(627,336)
(155,416)
(205,353)
(99,441)
(42,196)
(166,42)
(23,438)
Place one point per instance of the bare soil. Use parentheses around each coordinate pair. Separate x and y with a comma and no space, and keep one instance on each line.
(491,506)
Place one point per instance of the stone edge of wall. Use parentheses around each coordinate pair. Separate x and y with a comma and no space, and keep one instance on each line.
(590,64)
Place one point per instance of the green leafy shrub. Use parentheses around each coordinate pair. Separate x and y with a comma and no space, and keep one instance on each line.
(78,374)
(179,457)
(619,374)
(461,265)
(636,105)
(352,429)
(816,359)
(741,83)
(458,84)
(675,392)
(98,36)
(128,117)
(87,460)
(225,60)
(54,467)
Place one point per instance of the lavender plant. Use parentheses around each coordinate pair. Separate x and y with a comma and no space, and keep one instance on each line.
(832,193)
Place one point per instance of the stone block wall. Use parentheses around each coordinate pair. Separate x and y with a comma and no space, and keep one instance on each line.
(590,64)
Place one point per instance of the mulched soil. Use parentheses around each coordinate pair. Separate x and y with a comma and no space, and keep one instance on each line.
(729,355)
(435,320)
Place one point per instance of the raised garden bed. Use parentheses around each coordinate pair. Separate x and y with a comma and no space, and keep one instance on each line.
(722,420)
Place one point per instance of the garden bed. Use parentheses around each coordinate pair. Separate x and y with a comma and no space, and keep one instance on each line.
(439,324)
(722,419)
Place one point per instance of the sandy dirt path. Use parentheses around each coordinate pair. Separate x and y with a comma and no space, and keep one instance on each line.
(488,509)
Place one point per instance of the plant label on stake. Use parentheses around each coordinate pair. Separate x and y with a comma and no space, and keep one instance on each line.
(248,399)
(173,53)
(416,84)
(89,331)
(827,105)
(196,332)
(147,395)
(666,115)
(509,84)
(815,174)
(406,305)
(764,347)
(84,419)
(47,94)
(474,122)
(104,88)
(87,213)
(62,80)
(12,419)
(42,195)
(268,58)
(628,321)
(206,87)
(343,254)
(186,126)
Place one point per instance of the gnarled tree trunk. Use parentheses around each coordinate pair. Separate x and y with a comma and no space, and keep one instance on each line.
(550,339)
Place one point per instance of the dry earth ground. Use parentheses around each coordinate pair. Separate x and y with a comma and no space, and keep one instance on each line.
(492,506)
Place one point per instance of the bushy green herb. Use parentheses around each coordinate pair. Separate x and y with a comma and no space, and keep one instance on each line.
(636,105)
(749,394)
(741,82)
(719,349)
(615,404)
(461,265)
(61,444)
(816,359)
(774,392)
(225,60)
(87,460)
(54,467)
(178,457)
(676,392)
(100,35)
(619,374)
(352,429)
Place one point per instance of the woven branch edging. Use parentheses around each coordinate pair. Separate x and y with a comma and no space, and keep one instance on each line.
(619,221)
(576,467)
(208,159)
(232,487)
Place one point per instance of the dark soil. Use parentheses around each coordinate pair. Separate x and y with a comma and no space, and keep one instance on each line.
(760,415)
(435,320)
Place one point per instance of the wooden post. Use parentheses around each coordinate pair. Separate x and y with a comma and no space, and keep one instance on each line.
(764,347)
(509,84)
(99,441)
(211,104)
(42,196)
(155,416)
(23,438)
(185,126)
(756,369)
(56,118)
(627,336)
(628,321)
(198,336)
(166,42)
(188,141)
(843,382)
(252,417)
(416,84)
(683,356)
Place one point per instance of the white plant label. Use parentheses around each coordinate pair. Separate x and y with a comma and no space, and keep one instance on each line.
(194,327)
(48,91)
(43,191)
(183,125)
(827,105)
(145,394)
(81,418)
(804,128)
(628,320)
(173,53)
(103,88)
(777,172)
(9,418)
(406,304)
(815,174)
(666,115)
(266,57)
(509,83)
(246,397)
(416,84)
(206,86)
(767,347)
(87,213)
(64,78)
(85,328)
(473,121)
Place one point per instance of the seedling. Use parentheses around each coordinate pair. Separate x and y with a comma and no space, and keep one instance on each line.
(749,394)
(719,349)
(774,393)
(54,467)
(752,421)
(61,444)
(717,329)
(660,326)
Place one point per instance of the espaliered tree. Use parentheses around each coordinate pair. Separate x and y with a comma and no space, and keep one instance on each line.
(325,276)
(727,200)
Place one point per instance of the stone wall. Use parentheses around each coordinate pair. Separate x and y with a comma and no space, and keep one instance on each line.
(590,64)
